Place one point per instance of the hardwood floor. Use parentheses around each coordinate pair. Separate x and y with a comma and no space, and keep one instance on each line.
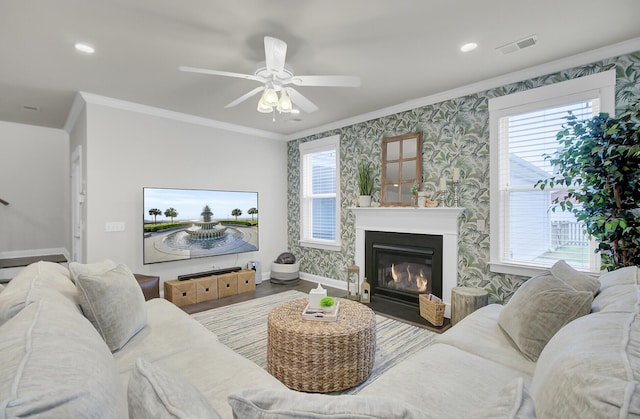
(263,289)
(407,314)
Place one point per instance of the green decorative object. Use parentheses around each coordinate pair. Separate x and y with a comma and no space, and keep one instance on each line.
(600,166)
(365,179)
(327,302)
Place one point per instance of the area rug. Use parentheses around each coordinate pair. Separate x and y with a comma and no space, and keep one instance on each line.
(243,328)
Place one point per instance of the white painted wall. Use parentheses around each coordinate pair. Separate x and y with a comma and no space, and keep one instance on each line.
(34,179)
(126,151)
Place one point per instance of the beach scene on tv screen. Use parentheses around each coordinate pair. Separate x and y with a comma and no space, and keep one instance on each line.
(191,223)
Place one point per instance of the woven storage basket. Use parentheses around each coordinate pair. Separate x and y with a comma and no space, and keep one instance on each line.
(431,311)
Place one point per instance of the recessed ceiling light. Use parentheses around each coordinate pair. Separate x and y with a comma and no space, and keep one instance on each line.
(295,111)
(85,48)
(469,47)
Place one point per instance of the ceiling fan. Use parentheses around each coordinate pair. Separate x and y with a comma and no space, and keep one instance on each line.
(275,76)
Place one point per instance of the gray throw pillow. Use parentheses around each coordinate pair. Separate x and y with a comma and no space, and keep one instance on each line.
(512,402)
(114,303)
(155,393)
(538,309)
(577,280)
(287,404)
(97,268)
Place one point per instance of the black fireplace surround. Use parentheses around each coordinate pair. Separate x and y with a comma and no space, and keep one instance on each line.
(400,266)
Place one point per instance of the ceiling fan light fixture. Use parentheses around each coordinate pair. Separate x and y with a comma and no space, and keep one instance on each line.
(264,108)
(284,104)
(269,97)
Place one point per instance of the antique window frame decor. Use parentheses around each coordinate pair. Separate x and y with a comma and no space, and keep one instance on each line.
(401,168)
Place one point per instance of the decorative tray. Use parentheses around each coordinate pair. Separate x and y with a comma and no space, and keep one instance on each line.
(319,315)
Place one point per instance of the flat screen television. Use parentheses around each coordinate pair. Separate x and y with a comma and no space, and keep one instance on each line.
(181,224)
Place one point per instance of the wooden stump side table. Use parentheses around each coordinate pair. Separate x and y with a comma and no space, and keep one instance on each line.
(466,300)
(321,357)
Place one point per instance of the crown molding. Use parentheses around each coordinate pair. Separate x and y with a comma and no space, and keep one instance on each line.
(622,48)
(83,97)
(599,54)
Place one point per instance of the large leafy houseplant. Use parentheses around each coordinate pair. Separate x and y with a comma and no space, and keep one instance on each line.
(599,164)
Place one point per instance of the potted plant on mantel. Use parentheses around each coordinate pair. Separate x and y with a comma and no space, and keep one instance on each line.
(600,166)
(365,179)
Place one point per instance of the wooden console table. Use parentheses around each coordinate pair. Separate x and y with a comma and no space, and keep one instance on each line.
(212,287)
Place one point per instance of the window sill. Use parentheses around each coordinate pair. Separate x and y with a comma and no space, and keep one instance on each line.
(520,270)
(523,270)
(332,246)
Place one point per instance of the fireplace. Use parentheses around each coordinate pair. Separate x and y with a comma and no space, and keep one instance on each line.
(400,266)
(439,221)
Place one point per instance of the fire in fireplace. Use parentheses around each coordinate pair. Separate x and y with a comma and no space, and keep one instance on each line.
(400,266)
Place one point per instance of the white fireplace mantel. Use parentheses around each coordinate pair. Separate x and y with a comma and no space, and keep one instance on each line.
(442,221)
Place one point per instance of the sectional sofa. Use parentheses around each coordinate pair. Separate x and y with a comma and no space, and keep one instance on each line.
(82,342)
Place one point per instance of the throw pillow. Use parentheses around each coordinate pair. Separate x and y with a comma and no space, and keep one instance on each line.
(155,393)
(97,268)
(577,280)
(538,309)
(512,402)
(284,404)
(114,303)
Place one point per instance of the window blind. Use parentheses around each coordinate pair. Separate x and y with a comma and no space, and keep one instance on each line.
(533,233)
(319,193)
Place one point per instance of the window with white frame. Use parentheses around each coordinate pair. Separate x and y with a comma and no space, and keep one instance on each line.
(526,235)
(320,193)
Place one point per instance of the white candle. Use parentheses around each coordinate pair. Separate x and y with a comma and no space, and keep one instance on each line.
(443,184)
(456,174)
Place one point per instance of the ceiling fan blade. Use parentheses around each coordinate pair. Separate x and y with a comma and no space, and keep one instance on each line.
(220,73)
(275,52)
(304,103)
(245,97)
(337,81)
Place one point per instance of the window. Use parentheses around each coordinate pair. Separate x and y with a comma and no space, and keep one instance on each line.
(526,236)
(320,193)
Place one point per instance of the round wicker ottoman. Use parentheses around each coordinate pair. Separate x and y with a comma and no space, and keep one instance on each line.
(321,357)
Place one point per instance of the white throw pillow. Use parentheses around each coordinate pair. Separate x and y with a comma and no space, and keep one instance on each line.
(538,309)
(287,404)
(114,303)
(155,393)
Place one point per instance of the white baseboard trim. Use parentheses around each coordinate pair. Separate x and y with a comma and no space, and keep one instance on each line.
(330,282)
(34,252)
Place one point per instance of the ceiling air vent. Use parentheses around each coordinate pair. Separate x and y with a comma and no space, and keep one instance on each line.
(527,42)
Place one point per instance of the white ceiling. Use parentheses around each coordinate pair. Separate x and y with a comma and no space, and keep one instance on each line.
(402,50)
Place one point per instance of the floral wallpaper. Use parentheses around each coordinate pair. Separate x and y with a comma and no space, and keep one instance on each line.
(455,134)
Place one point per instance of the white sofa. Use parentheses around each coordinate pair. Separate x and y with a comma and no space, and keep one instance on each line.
(56,363)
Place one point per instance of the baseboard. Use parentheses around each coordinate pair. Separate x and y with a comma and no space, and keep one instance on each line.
(330,282)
